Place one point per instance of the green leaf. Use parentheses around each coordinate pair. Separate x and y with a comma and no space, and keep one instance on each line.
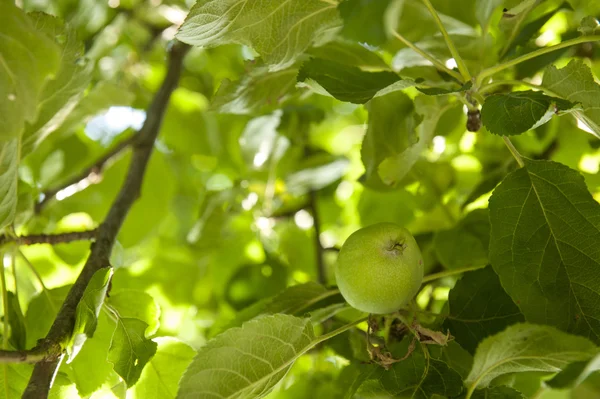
(130,350)
(280,31)
(363,20)
(479,307)
(484,10)
(18,333)
(137,305)
(41,311)
(454,356)
(441,91)
(390,131)
(344,82)
(62,387)
(526,347)
(86,318)
(256,90)
(161,376)
(397,86)
(350,53)
(545,225)
(418,376)
(90,369)
(575,83)
(353,376)
(499,392)
(517,112)
(574,374)
(14,379)
(27,59)
(60,96)
(9,165)
(531,30)
(421,379)
(247,362)
(466,244)
(295,300)
(395,167)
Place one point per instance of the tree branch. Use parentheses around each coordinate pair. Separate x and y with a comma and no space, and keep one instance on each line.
(90,172)
(44,371)
(30,356)
(49,238)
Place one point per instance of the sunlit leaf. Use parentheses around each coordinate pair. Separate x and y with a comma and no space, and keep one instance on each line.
(90,369)
(60,96)
(160,377)
(130,350)
(88,309)
(575,83)
(13,379)
(280,31)
(41,311)
(247,362)
(138,305)
(29,59)
(256,90)
(9,164)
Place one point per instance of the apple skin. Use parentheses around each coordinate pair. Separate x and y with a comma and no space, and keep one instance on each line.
(379,268)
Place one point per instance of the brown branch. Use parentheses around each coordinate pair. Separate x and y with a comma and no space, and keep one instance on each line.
(49,238)
(91,171)
(44,371)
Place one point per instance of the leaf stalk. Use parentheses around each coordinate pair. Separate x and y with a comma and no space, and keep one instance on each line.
(513,151)
(462,67)
(526,57)
(437,63)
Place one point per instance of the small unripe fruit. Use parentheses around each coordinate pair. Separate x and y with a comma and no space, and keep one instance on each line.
(379,268)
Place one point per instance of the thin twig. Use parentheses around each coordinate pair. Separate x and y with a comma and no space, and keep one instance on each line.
(321,275)
(90,172)
(39,279)
(58,238)
(447,273)
(62,328)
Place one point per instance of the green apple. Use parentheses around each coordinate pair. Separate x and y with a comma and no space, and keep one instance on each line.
(379,268)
